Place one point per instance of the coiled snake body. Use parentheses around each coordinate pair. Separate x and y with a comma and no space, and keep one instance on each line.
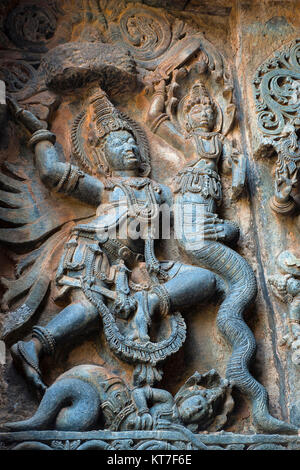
(241,292)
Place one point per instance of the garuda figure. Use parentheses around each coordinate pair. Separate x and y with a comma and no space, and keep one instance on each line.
(198,193)
(97,268)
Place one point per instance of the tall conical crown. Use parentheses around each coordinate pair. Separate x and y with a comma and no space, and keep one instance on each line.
(105,116)
(198,94)
(98,120)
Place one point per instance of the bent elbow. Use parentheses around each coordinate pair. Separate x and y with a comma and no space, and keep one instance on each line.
(45,174)
(46,162)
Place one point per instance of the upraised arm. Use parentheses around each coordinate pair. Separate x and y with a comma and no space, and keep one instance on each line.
(235,162)
(62,177)
(159,121)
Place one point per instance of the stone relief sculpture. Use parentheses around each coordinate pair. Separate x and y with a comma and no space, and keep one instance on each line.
(84,213)
(276,98)
(276,91)
(198,184)
(92,259)
(286,288)
(203,402)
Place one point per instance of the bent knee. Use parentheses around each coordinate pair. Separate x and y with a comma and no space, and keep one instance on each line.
(203,281)
(200,275)
(207,280)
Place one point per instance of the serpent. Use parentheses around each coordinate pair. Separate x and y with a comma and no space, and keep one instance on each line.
(241,292)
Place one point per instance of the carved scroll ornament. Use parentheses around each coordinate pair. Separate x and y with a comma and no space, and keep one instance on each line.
(276,90)
(60,202)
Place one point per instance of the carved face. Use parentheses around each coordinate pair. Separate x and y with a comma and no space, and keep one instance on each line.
(202,116)
(121,151)
(194,409)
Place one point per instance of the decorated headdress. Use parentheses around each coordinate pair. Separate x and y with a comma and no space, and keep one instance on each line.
(217,393)
(116,406)
(210,384)
(198,94)
(91,127)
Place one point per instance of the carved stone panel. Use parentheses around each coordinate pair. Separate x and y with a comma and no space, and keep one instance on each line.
(150,271)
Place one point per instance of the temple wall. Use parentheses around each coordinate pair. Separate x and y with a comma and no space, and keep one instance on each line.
(246,34)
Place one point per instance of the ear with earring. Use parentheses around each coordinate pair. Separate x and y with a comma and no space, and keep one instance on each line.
(100,165)
(188,126)
(100,161)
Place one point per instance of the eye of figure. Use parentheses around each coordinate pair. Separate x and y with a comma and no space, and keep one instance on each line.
(199,404)
(118,142)
(197,108)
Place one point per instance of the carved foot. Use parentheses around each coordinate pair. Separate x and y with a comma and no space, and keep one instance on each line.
(26,360)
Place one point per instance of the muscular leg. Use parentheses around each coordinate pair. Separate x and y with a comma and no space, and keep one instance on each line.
(189,287)
(77,318)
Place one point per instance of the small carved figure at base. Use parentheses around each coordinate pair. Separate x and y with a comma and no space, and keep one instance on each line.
(89,397)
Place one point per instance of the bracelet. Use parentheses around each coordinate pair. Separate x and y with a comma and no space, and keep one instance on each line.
(164,299)
(141,411)
(282,208)
(69,179)
(157,122)
(64,177)
(40,135)
(73,179)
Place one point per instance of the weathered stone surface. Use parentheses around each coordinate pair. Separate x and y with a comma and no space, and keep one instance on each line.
(102,75)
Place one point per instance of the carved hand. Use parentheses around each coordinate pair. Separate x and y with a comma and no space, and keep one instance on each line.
(218,229)
(146,421)
(284,183)
(139,423)
(213,229)
(238,166)
(124,305)
(30,121)
(160,87)
(157,106)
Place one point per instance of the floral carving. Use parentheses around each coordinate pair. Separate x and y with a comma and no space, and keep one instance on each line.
(276,92)
(31,25)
